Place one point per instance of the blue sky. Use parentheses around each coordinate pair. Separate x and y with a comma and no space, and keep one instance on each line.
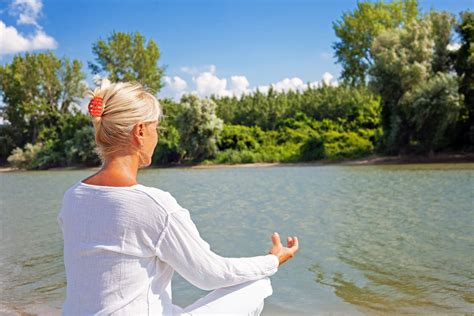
(219,47)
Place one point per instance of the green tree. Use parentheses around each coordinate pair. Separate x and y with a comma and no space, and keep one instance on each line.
(442,24)
(357,30)
(126,57)
(198,127)
(168,149)
(419,101)
(36,90)
(464,66)
(431,108)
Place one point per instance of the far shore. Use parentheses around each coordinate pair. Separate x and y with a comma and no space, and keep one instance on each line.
(371,160)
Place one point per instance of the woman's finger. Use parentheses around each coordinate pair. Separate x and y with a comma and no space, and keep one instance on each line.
(295,243)
(289,241)
(276,239)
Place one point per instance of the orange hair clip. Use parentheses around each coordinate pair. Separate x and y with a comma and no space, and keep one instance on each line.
(95,107)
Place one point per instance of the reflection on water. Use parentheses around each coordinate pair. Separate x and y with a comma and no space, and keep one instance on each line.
(404,240)
(382,239)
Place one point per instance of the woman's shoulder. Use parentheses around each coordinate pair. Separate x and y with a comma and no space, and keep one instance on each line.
(141,194)
(163,199)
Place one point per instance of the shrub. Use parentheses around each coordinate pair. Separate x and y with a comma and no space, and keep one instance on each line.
(7,141)
(81,148)
(239,137)
(230,156)
(25,158)
(49,156)
(339,145)
(198,127)
(167,150)
(312,149)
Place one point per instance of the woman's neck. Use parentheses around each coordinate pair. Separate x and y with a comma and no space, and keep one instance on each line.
(117,171)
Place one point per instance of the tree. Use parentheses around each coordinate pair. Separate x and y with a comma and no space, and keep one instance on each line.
(419,100)
(442,24)
(36,90)
(168,149)
(464,66)
(356,31)
(125,57)
(434,106)
(198,127)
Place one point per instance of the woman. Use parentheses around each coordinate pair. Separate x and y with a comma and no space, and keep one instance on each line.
(123,240)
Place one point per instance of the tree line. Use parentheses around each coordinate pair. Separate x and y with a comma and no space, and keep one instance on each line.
(407,86)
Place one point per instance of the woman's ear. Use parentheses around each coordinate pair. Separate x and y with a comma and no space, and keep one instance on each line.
(138,133)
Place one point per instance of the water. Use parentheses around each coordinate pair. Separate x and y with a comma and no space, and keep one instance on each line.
(373,239)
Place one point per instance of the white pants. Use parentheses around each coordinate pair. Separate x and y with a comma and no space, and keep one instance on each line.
(242,299)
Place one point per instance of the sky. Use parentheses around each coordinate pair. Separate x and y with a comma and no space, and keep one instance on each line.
(221,46)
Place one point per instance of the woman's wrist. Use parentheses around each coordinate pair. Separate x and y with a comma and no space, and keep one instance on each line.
(276,258)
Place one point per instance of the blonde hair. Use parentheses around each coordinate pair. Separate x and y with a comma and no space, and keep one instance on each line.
(124,105)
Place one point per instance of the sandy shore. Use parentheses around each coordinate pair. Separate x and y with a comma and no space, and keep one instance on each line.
(371,160)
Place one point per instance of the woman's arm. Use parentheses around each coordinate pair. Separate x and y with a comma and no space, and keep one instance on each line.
(181,246)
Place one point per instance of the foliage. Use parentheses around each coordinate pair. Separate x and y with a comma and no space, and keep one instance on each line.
(125,57)
(418,103)
(430,109)
(26,157)
(464,66)
(80,149)
(312,149)
(442,24)
(357,105)
(7,141)
(198,127)
(168,149)
(239,137)
(301,139)
(49,155)
(357,30)
(37,89)
(345,145)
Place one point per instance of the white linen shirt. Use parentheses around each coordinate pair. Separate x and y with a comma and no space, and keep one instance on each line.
(123,244)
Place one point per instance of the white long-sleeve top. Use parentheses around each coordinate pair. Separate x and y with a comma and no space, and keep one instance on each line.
(123,244)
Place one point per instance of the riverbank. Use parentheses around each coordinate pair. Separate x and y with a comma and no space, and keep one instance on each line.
(371,160)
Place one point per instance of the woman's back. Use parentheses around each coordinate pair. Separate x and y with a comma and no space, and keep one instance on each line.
(123,244)
(110,234)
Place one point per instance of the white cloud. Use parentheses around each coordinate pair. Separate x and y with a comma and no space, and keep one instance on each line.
(27,11)
(239,84)
(285,85)
(13,42)
(315,84)
(207,83)
(296,84)
(327,77)
(453,46)
(262,89)
(176,83)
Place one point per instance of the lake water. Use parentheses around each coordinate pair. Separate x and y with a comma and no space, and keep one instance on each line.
(373,239)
